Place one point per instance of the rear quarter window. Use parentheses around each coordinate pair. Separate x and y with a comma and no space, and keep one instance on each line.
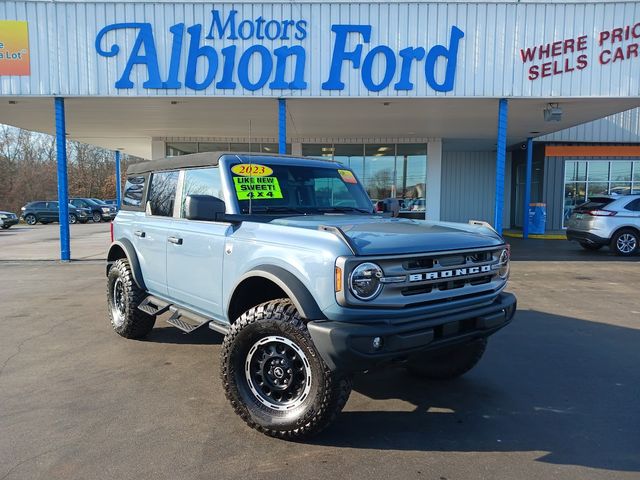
(634,205)
(134,191)
(596,203)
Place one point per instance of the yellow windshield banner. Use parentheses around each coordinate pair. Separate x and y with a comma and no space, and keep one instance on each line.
(251,170)
(257,188)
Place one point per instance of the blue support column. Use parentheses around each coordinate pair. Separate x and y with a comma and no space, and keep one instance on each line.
(118,185)
(527,188)
(63,194)
(282,126)
(501,155)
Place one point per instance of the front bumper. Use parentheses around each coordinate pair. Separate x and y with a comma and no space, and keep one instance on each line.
(586,237)
(348,346)
(9,222)
(108,216)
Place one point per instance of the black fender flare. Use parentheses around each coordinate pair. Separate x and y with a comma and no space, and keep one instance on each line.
(130,252)
(291,285)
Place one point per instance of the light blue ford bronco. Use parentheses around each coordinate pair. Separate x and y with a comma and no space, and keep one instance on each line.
(286,258)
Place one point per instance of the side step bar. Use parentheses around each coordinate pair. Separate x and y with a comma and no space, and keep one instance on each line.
(181,318)
(153,306)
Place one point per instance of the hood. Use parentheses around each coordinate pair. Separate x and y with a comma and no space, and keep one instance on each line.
(378,235)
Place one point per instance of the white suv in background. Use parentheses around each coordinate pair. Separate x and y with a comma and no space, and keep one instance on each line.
(607,220)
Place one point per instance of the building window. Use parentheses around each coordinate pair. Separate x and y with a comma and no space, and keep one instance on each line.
(386,170)
(411,175)
(584,179)
(320,150)
(174,149)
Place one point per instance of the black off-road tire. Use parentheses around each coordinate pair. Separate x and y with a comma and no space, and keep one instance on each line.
(127,320)
(625,242)
(448,363)
(591,246)
(329,390)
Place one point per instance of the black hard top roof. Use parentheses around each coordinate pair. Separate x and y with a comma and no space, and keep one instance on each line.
(205,159)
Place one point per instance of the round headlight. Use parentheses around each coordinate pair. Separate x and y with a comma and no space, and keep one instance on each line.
(503,264)
(364,281)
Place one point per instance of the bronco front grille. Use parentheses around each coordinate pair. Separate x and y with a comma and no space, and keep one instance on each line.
(437,278)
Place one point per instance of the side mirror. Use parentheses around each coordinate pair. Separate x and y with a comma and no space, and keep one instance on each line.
(381,206)
(203,207)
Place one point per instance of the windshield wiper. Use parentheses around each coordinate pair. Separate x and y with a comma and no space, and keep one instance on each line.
(270,208)
(343,209)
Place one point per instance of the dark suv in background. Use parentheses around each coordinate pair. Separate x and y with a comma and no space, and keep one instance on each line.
(47,212)
(99,210)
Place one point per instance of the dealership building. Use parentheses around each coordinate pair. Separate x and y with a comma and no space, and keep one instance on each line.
(463,109)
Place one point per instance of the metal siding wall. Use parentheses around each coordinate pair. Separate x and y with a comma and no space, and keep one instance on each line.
(553,191)
(468,186)
(619,128)
(64,60)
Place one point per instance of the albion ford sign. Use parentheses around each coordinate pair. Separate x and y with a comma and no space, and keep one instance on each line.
(271,53)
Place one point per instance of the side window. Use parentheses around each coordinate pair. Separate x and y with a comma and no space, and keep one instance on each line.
(201,181)
(634,206)
(133,191)
(52,205)
(39,205)
(162,193)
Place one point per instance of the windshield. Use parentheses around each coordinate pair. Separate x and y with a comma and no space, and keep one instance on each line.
(98,201)
(295,189)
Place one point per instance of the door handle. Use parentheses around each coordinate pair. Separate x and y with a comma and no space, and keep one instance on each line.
(139,233)
(175,240)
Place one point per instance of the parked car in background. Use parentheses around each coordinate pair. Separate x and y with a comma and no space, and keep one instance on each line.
(8,219)
(417,205)
(110,202)
(99,210)
(388,205)
(48,212)
(607,220)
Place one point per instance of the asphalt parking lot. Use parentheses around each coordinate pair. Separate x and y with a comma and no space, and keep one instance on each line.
(40,242)
(556,395)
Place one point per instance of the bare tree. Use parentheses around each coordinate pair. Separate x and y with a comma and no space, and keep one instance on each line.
(28,169)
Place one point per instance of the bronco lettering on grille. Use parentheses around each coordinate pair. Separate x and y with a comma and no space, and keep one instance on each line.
(457,272)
